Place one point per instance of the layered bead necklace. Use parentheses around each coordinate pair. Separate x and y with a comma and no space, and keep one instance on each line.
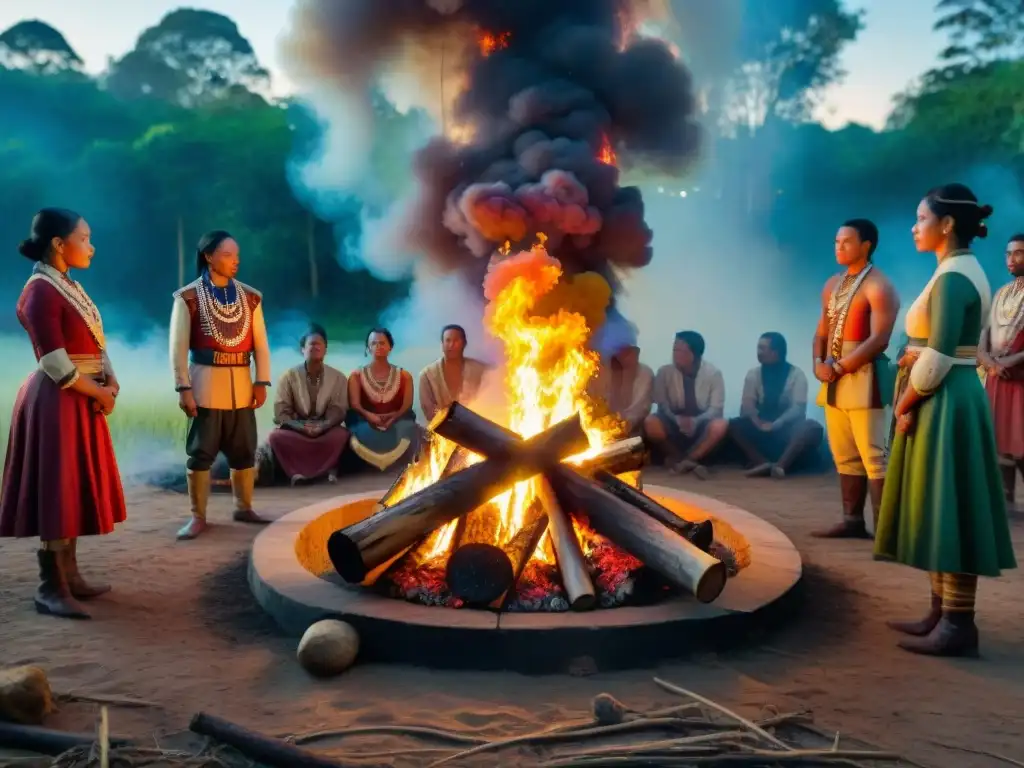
(77,298)
(226,321)
(377,390)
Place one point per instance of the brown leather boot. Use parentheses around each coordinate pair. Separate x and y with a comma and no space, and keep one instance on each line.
(79,587)
(956,634)
(854,489)
(53,596)
(243,481)
(923,626)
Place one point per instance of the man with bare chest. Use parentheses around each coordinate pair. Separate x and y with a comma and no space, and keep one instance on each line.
(858,312)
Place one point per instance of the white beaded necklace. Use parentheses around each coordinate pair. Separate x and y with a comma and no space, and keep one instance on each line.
(76,297)
(380,391)
(227,323)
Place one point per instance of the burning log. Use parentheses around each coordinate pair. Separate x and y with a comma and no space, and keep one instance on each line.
(479,573)
(652,542)
(579,588)
(360,548)
(483,436)
(521,548)
(623,456)
(701,535)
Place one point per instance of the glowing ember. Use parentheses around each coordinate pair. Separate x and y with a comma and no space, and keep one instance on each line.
(490,42)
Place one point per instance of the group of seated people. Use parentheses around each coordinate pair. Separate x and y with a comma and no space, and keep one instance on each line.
(679,411)
(319,412)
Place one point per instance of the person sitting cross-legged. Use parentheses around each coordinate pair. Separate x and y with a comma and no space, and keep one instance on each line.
(773,430)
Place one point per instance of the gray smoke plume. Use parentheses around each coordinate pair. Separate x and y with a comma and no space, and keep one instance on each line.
(556,85)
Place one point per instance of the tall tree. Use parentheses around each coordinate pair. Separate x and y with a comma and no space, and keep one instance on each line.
(191,58)
(980,31)
(35,46)
(788,54)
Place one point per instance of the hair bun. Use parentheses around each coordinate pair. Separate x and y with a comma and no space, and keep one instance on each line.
(31,249)
(982,229)
(986,211)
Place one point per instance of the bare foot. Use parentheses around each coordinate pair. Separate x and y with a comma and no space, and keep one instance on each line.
(701,472)
(761,470)
(684,467)
(778,472)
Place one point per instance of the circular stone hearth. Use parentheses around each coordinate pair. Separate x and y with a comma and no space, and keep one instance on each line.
(283,575)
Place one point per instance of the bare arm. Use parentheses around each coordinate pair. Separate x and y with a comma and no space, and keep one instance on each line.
(885,305)
(819,347)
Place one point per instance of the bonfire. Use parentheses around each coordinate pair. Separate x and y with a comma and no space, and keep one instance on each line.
(559,460)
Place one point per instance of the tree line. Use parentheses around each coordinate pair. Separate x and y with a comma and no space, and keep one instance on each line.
(179,135)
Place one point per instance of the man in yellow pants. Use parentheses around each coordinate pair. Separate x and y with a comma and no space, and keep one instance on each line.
(858,312)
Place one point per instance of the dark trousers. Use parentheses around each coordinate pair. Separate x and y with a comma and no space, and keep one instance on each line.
(232,433)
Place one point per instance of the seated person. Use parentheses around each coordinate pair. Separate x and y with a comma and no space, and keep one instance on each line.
(773,430)
(624,383)
(380,416)
(689,395)
(452,377)
(309,409)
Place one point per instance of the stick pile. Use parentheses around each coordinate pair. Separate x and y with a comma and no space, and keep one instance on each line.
(697,734)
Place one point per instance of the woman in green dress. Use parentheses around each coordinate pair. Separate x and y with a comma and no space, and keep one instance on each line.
(943,509)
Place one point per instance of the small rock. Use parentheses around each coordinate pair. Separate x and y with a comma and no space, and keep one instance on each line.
(328,648)
(25,695)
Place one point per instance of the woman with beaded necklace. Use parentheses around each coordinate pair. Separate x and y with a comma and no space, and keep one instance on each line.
(942,505)
(61,479)
(380,397)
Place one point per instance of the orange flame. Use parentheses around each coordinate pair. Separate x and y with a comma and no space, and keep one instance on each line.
(544,319)
(489,42)
(606,154)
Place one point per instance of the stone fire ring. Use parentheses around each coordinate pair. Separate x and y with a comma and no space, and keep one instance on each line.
(395,631)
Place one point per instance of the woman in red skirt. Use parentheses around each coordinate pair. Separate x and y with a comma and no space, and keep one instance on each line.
(1001,352)
(60,477)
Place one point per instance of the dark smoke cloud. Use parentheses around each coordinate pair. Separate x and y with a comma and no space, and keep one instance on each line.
(540,108)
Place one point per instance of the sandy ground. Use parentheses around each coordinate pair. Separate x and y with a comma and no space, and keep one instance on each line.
(182,631)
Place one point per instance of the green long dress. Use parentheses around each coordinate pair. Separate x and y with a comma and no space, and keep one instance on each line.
(943,508)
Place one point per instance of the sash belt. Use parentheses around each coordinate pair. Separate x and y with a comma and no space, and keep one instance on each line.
(216,357)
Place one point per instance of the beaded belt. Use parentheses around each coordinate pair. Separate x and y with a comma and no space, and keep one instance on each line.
(218,358)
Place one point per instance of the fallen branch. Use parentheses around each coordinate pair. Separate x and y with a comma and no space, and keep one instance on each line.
(113,701)
(258,748)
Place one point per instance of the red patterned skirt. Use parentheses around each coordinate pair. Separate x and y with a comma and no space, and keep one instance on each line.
(60,478)
(1006,396)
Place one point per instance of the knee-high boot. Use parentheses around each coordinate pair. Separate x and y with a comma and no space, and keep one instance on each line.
(53,597)
(243,481)
(198,496)
(854,489)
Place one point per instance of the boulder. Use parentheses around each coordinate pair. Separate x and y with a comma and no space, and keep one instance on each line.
(25,695)
(328,648)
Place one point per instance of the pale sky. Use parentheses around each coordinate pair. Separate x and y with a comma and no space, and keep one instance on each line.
(896,46)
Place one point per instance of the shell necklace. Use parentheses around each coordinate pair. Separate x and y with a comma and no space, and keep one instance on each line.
(226,322)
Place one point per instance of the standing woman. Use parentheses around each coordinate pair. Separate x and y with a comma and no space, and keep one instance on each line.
(943,509)
(380,396)
(60,478)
